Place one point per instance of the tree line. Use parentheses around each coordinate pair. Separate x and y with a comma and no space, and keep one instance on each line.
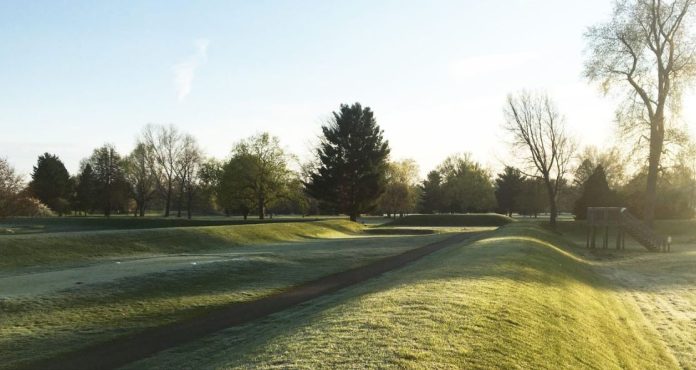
(645,53)
(351,173)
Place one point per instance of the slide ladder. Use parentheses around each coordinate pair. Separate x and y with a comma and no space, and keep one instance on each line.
(643,234)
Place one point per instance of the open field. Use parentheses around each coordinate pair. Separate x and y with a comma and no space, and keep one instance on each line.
(64,308)
(519,298)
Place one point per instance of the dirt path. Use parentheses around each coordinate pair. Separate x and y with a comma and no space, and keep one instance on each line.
(130,348)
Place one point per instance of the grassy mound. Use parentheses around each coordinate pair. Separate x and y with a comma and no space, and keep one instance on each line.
(518,298)
(39,326)
(38,249)
(486,219)
(68,224)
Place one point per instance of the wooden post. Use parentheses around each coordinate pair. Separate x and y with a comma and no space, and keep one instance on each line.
(618,237)
(594,237)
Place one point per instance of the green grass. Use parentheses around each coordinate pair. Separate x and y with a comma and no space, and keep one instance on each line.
(518,298)
(663,285)
(53,248)
(13,226)
(488,219)
(33,327)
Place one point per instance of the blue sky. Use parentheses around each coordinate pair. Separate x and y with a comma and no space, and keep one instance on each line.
(77,74)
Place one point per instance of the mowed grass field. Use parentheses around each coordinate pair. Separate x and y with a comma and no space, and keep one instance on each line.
(520,297)
(221,265)
(70,247)
(517,297)
(26,225)
(663,285)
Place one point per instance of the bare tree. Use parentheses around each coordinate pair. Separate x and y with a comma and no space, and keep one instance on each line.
(188,164)
(10,186)
(165,144)
(538,130)
(141,176)
(647,49)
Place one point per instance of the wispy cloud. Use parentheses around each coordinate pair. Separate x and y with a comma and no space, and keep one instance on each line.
(479,65)
(184,72)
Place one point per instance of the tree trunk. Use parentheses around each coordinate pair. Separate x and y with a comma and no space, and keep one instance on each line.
(180,201)
(107,207)
(168,201)
(552,203)
(261,207)
(656,142)
(553,215)
(188,204)
(354,216)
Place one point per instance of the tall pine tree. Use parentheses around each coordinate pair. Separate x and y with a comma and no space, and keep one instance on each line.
(508,186)
(595,193)
(353,155)
(431,193)
(50,183)
(85,190)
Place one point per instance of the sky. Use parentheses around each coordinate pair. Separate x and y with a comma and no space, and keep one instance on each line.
(77,74)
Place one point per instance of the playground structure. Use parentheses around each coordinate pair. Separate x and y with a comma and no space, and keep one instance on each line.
(604,218)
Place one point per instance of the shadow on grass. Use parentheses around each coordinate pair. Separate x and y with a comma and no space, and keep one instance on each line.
(159,298)
(523,254)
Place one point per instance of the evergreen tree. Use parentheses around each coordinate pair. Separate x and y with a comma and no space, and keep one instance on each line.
(595,193)
(533,198)
(352,162)
(50,183)
(431,193)
(508,186)
(85,190)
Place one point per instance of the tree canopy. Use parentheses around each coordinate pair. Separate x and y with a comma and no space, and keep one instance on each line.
(352,162)
(401,192)
(111,188)
(10,187)
(466,185)
(50,183)
(648,51)
(256,176)
(595,193)
(508,187)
